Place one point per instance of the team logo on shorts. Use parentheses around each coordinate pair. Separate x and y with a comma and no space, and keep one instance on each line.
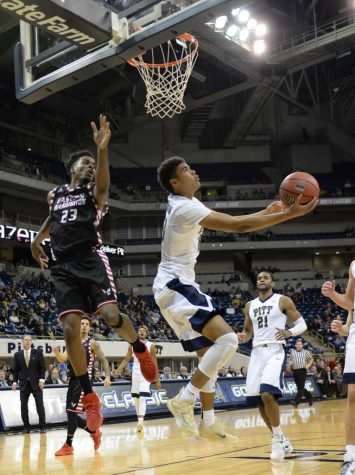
(107,291)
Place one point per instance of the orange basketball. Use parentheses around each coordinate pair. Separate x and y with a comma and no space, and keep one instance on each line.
(298,183)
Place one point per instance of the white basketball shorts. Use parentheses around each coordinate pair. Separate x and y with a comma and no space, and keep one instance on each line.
(265,372)
(140,386)
(187,310)
(349,367)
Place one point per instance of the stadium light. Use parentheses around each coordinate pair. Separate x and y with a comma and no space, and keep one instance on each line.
(235,11)
(244,34)
(260,30)
(220,22)
(243,16)
(252,24)
(259,47)
(232,30)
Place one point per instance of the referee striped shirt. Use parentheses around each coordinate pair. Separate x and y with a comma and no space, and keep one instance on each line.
(299,359)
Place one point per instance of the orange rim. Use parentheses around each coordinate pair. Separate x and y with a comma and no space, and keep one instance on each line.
(184,36)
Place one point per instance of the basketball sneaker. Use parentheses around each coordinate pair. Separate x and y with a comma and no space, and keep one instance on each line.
(348,467)
(288,448)
(277,449)
(148,367)
(140,427)
(92,407)
(215,430)
(96,437)
(183,411)
(65,450)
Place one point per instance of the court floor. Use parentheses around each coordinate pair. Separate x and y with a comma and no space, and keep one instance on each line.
(317,434)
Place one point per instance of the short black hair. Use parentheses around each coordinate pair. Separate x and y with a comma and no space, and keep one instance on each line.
(73,157)
(166,172)
(267,272)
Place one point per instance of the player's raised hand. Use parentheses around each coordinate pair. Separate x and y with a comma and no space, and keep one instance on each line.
(39,255)
(296,209)
(336,325)
(328,288)
(56,349)
(103,135)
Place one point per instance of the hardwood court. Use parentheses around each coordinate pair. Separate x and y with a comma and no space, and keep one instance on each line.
(316,433)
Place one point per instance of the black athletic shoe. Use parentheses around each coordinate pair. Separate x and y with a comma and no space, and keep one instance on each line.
(311,401)
(294,404)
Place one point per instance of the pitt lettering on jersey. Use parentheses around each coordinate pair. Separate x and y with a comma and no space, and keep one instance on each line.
(263,310)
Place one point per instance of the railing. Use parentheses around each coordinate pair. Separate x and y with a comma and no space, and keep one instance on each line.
(321,339)
(331,29)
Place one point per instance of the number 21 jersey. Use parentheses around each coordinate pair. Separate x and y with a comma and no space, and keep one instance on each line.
(266,317)
(75,220)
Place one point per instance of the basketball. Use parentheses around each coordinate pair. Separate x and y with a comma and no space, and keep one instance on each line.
(298,183)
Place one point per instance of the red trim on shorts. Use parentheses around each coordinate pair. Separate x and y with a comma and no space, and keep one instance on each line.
(74,310)
(104,303)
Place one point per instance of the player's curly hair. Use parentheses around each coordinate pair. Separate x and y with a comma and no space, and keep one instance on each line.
(73,157)
(166,172)
(267,272)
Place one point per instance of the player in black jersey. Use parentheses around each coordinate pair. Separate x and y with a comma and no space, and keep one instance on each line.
(81,271)
(75,394)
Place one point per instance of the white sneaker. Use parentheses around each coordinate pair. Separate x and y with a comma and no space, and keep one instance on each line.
(348,467)
(183,411)
(277,449)
(213,431)
(288,448)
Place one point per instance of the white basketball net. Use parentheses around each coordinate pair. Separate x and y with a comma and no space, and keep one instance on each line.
(166,81)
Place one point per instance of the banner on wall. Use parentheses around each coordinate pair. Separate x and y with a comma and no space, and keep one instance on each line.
(23,235)
(111,349)
(117,401)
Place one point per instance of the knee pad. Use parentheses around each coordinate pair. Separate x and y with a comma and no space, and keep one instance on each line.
(219,354)
(119,322)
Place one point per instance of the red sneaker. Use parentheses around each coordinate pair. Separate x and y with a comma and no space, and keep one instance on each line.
(65,450)
(96,437)
(148,367)
(92,407)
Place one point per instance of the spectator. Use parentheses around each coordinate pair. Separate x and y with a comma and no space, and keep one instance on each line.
(54,378)
(244,371)
(322,378)
(183,373)
(338,377)
(3,382)
(97,376)
(166,374)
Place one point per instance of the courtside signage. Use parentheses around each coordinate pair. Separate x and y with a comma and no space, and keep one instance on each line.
(12,233)
(67,20)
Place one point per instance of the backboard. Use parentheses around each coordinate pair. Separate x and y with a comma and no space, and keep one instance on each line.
(64,43)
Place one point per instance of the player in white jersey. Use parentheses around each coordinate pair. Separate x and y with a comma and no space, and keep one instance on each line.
(140,389)
(196,319)
(265,322)
(346,301)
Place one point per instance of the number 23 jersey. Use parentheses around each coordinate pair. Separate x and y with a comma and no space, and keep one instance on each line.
(266,317)
(75,220)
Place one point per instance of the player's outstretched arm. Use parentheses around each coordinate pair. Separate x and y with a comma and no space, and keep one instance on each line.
(153,352)
(125,360)
(343,300)
(253,222)
(37,251)
(96,349)
(102,179)
(247,333)
(288,307)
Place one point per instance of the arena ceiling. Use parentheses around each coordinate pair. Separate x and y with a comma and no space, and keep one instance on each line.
(306,78)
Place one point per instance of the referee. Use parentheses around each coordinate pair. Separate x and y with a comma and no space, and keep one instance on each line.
(301,361)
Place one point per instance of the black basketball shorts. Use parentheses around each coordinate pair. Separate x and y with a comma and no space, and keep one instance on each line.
(74,396)
(83,280)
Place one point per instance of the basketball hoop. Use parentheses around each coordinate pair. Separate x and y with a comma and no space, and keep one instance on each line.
(166,70)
